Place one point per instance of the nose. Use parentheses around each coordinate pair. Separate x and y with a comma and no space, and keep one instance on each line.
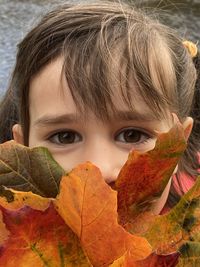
(107,158)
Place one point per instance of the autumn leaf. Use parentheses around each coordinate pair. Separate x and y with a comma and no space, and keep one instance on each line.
(190,254)
(152,260)
(144,176)
(13,200)
(155,260)
(79,226)
(29,169)
(89,206)
(36,236)
(169,232)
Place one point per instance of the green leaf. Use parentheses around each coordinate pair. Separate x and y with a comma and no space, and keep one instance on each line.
(169,232)
(190,255)
(29,169)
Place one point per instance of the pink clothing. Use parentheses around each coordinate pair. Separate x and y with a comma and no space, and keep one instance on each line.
(185,182)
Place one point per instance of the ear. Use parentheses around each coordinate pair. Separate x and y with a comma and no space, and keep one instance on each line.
(18,134)
(187,126)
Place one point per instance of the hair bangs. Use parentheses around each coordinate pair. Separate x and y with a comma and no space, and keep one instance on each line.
(152,67)
(92,69)
(112,63)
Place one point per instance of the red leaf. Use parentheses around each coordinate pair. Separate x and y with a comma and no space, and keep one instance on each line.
(36,237)
(154,260)
(144,176)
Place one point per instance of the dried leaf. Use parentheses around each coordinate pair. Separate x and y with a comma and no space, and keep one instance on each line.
(29,169)
(152,260)
(36,237)
(89,206)
(169,232)
(13,200)
(190,255)
(144,176)
(84,227)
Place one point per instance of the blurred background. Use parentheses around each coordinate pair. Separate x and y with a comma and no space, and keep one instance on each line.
(18,16)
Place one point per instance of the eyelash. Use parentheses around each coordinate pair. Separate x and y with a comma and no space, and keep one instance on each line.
(140,133)
(75,138)
(119,137)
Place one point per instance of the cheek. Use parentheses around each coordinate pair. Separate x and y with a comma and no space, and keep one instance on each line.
(109,161)
(34,141)
(66,160)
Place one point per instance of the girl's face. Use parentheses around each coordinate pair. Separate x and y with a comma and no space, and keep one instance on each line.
(73,138)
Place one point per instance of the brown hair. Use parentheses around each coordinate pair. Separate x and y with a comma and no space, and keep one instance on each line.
(89,36)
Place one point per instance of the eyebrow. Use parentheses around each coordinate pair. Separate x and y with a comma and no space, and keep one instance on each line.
(134,116)
(70,118)
(57,119)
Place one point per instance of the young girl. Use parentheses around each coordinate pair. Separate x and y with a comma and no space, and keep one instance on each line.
(94,81)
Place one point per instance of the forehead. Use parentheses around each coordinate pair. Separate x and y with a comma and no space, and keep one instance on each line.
(50,95)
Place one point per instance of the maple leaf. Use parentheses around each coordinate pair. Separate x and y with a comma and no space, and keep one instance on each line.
(29,169)
(170,232)
(80,226)
(145,175)
(36,236)
(152,260)
(89,206)
(31,212)
(190,254)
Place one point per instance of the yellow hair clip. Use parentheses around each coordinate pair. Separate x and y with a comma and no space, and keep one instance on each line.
(191,47)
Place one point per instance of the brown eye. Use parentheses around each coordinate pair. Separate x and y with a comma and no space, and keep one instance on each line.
(66,137)
(132,136)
